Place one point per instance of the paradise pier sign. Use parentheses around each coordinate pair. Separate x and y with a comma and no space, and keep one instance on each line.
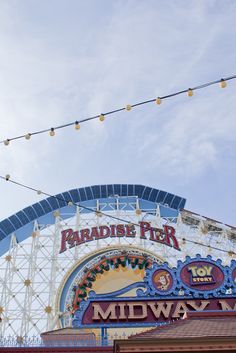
(166,236)
(197,284)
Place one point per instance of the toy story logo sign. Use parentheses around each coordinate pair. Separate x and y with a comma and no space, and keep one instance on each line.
(166,236)
(165,294)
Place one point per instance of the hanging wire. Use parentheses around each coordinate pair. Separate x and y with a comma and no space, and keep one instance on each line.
(100,213)
(128,107)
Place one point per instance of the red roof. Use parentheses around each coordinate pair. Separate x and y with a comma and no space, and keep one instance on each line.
(195,324)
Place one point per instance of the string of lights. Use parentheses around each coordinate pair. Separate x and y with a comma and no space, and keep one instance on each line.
(100,213)
(128,107)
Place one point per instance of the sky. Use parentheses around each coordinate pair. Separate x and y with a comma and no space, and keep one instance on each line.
(65,60)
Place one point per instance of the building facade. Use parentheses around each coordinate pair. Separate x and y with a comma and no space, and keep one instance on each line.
(110,260)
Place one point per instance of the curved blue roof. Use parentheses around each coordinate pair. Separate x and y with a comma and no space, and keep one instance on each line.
(50,204)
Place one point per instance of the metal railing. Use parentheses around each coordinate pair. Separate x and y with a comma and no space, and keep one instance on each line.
(74,341)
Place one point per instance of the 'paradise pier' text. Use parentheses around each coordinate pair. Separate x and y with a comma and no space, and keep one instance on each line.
(166,236)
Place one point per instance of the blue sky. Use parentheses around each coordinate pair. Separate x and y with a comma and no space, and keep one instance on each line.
(63,60)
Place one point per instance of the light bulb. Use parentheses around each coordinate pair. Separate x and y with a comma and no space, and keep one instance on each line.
(223,83)
(101,117)
(27,136)
(77,125)
(190,92)
(158,101)
(52,132)
(128,107)
(7,177)
(56,214)
(6,142)
(27,282)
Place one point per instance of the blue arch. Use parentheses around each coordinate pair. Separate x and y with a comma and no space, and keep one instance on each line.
(22,221)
